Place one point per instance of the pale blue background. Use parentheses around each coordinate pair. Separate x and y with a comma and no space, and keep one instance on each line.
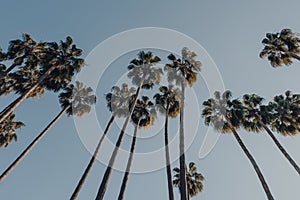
(231,31)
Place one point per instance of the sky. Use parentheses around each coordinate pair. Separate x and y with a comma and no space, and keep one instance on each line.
(231,33)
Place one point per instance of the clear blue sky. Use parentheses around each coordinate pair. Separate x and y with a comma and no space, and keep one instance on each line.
(231,32)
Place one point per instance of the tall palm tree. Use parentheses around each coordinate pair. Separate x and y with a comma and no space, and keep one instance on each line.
(183,71)
(8,130)
(143,116)
(58,64)
(226,116)
(285,111)
(281,48)
(117,103)
(255,121)
(75,100)
(143,75)
(193,179)
(167,103)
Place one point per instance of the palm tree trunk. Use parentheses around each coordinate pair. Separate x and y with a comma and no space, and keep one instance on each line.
(280,147)
(92,161)
(107,174)
(32,144)
(20,99)
(253,162)
(168,164)
(5,109)
(183,188)
(129,163)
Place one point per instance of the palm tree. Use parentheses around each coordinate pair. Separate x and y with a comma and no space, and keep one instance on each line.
(193,179)
(8,130)
(281,48)
(255,120)
(183,71)
(25,55)
(75,100)
(143,75)
(117,103)
(285,111)
(58,64)
(143,116)
(168,103)
(226,116)
(20,52)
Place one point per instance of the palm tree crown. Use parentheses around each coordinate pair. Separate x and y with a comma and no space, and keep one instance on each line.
(141,70)
(183,69)
(193,178)
(285,110)
(252,111)
(118,100)
(217,110)
(8,130)
(281,48)
(77,98)
(144,113)
(168,99)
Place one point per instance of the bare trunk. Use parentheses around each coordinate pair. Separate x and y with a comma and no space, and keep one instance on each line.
(92,161)
(129,163)
(10,108)
(280,147)
(32,145)
(253,162)
(168,164)
(183,188)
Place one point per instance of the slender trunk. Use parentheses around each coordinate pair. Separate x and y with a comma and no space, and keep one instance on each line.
(92,161)
(280,147)
(183,188)
(253,162)
(129,163)
(20,99)
(5,109)
(32,145)
(168,164)
(107,174)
